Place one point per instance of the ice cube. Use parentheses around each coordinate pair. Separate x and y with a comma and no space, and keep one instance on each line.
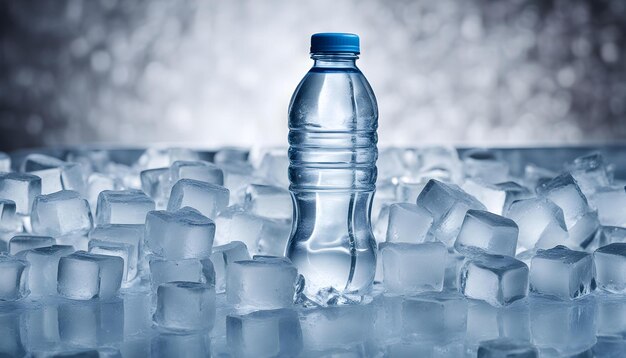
(487,232)
(268,201)
(166,345)
(25,242)
(447,204)
(610,203)
(185,306)
(163,271)
(44,266)
(413,268)
(97,183)
(590,173)
(83,276)
(13,278)
(94,323)
(182,234)
(507,348)
(61,213)
(496,279)
(408,223)
(9,221)
(55,174)
(237,176)
(274,167)
(20,188)
(540,221)
(223,256)
(434,317)
(496,197)
(125,234)
(272,333)
(607,235)
(5,162)
(123,207)
(164,157)
(484,165)
(610,267)
(197,170)
(262,283)
(562,273)
(120,249)
(156,184)
(209,199)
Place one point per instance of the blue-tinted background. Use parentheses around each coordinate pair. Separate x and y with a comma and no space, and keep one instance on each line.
(217,72)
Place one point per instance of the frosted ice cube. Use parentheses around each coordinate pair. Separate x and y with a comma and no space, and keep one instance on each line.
(437,317)
(5,162)
(262,283)
(484,165)
(83,276)
(90,324)
(413,268)
(120,249)
(561,272)
(507,348)
(125,234)
(496,279)
(9,220)
(408,223)
(97,183)
(20,188)
(484,231)
(272,333)
(274,166)
(182,234)
(496,197)
(590,173)
(61,213)
(610,267)
(55,174)
(13,278)
(181,345)
(610,203)
(164,157)
(269,201)
(447,204)
(223,256)
(540,221)
(25,242)
(44,266)
(196,170)
(123,207)
(209,199)
(185,306)
(163,271)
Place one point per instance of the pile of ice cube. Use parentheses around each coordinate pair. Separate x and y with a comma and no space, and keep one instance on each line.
(179,253)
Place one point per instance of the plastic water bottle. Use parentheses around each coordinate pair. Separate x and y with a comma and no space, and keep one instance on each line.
(333,117)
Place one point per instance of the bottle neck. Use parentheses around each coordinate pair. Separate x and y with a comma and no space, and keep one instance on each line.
(334,59)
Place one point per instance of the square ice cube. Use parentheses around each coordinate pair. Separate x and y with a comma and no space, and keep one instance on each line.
(5,162)
(484,231)
(496,197)
(272,333)
(540,222)
(610,266)
(9,220)
(25,242)
(61,213)
(562,273)
(436,317)
(196,170)
(408,223)
(120,249)
(413,268)
(507,348)
(13,278)
(209,199)
(83,276)
(447,204)
(185,306)
(44,266)
(55,174)
(163,271)
(496,279)
(223,256)
(123,233)
(590,173)
(610,203)
(268,201)
(182,234)
(123,207)
(262,283)
(97,183)
(20,188)
(156,183)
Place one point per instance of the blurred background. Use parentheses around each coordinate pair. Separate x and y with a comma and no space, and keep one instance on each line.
(221,72)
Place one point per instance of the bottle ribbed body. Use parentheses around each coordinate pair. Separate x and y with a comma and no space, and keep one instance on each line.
(333,119)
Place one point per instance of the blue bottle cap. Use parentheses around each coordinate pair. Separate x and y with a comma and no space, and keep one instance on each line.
(335,42)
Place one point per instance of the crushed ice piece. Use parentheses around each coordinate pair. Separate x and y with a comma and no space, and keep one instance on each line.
(55,174)
(83,276)
(610,203)
(496,279)
(163,271)
(540,222)
(61,213)
(13,278)
(507,348)
(610,267)
(182,234)
(196,170)
(123,207)
(408,223)
(25,242)
(496,197)
(484,165)
(262,283)
(120,249)
(209,199)
(268,201)
(21,188)
(185,306)
(44,266)
(413,268)
(483,231)
(562,273)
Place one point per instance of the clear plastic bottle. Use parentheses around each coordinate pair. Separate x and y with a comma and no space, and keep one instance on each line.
(333,117)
